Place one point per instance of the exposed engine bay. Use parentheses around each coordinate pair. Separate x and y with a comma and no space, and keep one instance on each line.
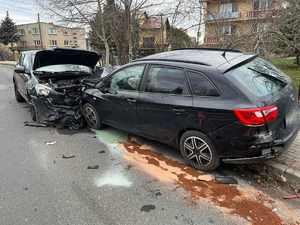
(52,82)
(57,100)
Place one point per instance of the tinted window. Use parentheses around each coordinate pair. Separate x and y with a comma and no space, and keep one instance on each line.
(201,86)
(259,77)
(166,80)
(127,79)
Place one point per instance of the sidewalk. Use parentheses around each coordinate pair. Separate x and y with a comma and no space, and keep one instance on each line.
(9,63)
(288,164)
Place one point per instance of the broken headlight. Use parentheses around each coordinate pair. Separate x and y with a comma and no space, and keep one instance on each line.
(42,90)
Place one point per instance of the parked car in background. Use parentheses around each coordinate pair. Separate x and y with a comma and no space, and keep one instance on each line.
(51,81)
(214,105)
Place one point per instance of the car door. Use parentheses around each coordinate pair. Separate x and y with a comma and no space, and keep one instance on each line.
(122,96)
(164,103)
(19,77)
(24,77)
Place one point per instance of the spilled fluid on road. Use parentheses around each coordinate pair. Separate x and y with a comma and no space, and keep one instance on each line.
(230,199)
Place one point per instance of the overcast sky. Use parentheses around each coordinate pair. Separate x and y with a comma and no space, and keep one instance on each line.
(21,11)
(25,11)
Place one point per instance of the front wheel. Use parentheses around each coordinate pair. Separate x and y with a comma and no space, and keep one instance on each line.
(197,149)
(91,116)
(18,96)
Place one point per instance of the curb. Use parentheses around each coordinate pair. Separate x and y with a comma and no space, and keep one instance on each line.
(281,171)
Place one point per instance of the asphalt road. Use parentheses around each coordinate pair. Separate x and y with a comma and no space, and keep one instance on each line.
(39,187)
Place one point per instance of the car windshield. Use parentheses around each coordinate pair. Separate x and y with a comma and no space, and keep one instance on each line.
(259,77)
(65,68)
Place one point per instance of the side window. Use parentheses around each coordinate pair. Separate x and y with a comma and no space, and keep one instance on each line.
(27,61)
(127,79)
(201,86)
(21,59)
(166,80)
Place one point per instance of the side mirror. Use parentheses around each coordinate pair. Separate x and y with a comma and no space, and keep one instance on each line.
(20,69)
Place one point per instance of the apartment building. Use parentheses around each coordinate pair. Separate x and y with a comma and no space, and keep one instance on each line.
(227,18)
(48,35)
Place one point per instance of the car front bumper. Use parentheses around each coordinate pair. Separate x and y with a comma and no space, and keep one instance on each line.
(52,114)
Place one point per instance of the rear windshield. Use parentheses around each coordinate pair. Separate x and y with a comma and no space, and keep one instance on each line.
(259,77)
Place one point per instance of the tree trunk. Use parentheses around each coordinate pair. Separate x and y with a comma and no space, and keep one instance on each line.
(107,53)
(298,60)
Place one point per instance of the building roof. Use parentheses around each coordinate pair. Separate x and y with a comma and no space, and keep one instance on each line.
(152,22)
(217,58)
(76,28)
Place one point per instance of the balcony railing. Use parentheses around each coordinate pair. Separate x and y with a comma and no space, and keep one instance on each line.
(211,40)
(263,13)
(223,16)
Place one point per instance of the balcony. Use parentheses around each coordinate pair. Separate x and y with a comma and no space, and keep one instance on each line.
(211,40)
(223,16)
(257,14)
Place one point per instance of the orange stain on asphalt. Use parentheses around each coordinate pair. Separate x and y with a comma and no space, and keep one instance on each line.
(225,196)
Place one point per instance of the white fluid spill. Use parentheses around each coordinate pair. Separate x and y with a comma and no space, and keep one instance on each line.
(113,177)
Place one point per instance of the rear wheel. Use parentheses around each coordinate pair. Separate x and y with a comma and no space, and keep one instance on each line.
(18,96)
(197,149)
(91,116)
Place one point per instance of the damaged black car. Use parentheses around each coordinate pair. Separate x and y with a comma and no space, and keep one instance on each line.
(51,81)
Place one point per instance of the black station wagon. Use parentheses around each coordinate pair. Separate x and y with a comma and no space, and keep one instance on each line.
(214,105)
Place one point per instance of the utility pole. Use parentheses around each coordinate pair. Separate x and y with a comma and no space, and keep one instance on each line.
(41,38)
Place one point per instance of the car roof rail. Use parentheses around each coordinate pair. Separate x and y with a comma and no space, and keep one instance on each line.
(211,49)
(172,60)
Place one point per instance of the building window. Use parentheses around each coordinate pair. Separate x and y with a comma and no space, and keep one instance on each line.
(228,8)
(53,42)
(228,30)
(75,38)
(74,33)
(23,43)
(37,43)
(35,30)
(262,4)
(21,32)
(149,42)
(66,42)
(52,31)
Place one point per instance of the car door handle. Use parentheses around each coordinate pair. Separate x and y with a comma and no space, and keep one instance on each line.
(179,110)
(131,100)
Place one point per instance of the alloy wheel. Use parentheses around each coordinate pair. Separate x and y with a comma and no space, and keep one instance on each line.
(197,151)
(90,116)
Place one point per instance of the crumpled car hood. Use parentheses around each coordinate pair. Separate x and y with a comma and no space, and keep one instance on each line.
(59,56)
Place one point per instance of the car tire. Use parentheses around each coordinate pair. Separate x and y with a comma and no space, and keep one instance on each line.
(91,116)
(33,113)
(18,96)
(198,151)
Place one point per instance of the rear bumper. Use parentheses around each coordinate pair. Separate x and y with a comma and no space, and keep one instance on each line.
(278,147)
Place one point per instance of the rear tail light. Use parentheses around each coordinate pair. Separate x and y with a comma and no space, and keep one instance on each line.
(257,116)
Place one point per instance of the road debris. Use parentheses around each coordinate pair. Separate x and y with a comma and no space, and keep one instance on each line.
(34,124)
(225,180)
(93,167)
(291,197)
(68,156)
(148,208)
(102,152)
(51,143)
